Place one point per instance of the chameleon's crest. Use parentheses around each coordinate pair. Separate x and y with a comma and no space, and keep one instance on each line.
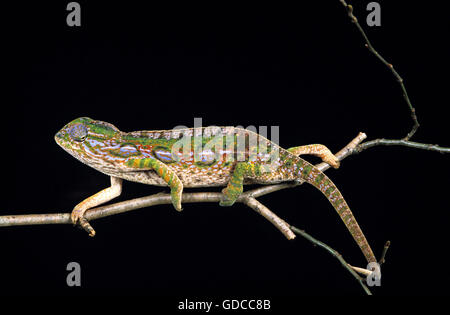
(101,128)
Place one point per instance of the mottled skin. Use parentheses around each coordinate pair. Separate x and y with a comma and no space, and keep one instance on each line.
(196,157)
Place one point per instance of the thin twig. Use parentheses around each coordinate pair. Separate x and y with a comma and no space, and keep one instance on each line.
(411,144)
(368,44)
(405,141)
(335,254)
(270,216)
(363,271)
(383,254)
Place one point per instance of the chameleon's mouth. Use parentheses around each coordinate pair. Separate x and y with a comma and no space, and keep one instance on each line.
(58,137)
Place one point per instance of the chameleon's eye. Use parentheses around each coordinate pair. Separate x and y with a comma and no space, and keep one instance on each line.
(78,132)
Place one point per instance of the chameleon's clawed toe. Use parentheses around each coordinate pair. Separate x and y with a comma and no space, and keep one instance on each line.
(75,217)
(86,226)
(177,206)
(79,220)
(176,194)
(226,202)
(230,194)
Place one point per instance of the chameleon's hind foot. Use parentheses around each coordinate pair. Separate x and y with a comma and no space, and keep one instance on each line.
(318,150)
(331,159)
(224,202)
(229,196)
(165,172)
(235,185)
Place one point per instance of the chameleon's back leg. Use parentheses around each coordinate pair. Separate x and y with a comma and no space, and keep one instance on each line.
(235,185)
(318,150)
(102,196)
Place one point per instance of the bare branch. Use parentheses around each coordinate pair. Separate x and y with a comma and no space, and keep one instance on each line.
(368,44)
(270,216)
(337,256)
(383,254)
(405,143)
(363,271)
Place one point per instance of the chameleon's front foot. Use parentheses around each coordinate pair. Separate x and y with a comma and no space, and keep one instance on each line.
(102,196)
(176,193)
(77,217)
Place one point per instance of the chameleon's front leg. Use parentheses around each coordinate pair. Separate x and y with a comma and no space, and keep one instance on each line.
(101,197)
(166,173)
(318,150)
(235,185)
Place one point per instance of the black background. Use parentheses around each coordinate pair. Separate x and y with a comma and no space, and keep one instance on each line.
(303,68)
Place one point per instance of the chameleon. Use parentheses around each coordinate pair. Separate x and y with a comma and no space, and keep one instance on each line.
(196,157)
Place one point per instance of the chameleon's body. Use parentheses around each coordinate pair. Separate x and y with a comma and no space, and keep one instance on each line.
(215,157)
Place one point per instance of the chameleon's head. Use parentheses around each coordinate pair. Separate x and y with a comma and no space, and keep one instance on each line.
(78,136)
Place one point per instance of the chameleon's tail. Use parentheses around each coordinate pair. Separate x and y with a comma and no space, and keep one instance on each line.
(315,177)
